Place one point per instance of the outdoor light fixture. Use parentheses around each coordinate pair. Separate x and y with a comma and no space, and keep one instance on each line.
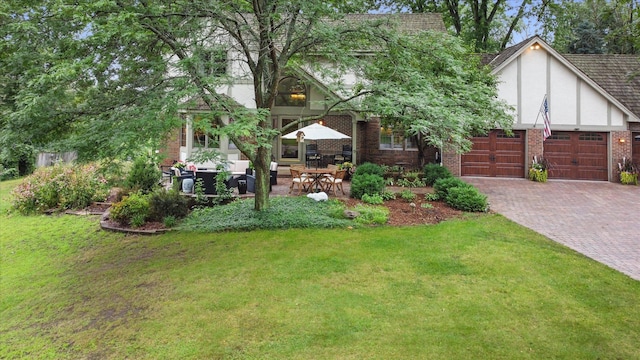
(622,140)
(321,122)
(298,92)
(535,46)
(298,96)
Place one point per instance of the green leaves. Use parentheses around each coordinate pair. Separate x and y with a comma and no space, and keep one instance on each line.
(432,87)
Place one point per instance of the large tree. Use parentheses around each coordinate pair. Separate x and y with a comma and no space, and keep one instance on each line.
(593,26)
(111,75)
(488,25)
(430,88)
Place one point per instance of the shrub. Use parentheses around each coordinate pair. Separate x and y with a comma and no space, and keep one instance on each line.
(366,184)
(143,176)
(466,198)
(132,210)
(371,214)
(375,199)
(407,195)
(409,182)
(60,186)
(163,204)
(442,186)
(388,195)
(7,174)
(433,172)
(170,221)
(369,168)
(431,197)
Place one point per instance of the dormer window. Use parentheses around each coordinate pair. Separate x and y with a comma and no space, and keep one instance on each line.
(291,92)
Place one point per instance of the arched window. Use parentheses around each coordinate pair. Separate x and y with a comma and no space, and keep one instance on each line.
(291,92)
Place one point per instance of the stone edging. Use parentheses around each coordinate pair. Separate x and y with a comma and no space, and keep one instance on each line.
(106,226)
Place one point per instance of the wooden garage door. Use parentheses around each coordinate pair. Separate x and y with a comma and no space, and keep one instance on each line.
(495,155)
(577,155)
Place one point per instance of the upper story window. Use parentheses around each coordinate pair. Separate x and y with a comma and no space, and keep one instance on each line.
(291,92)
(213,60)
(395,140)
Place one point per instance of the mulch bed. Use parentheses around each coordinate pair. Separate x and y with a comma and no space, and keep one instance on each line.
(401,213)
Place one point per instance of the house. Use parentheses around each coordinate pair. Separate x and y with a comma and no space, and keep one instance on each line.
(303,94)
(594,110)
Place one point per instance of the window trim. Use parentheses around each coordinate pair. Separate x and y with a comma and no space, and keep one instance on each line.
(406,142)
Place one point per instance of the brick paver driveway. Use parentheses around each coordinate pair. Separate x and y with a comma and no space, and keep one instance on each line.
(598,219)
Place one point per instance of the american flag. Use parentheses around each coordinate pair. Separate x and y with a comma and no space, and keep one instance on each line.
(544,110)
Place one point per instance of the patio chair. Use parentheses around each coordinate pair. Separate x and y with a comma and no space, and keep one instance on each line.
(347,153)
(334,182)
(301,181)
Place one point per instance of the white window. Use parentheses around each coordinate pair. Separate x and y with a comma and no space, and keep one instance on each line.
(291,92)
(395,140)
(202,133)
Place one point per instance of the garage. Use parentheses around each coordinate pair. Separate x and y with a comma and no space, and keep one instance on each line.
(577,155)
(495,155)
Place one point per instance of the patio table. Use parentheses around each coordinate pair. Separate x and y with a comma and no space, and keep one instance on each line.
(317,174)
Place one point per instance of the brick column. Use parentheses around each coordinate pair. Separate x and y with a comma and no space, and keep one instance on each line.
(620,148)
(171,149)
(535,146)
(452,161)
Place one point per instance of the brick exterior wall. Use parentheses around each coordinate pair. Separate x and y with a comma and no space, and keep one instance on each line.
(535,146)
(619,150)
(341,123)
(369,145)
(171,150)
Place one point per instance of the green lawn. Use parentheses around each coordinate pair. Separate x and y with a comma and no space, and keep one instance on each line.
(479,288)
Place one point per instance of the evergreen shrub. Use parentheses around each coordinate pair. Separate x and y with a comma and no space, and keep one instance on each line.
(163,203)
(144,175)
(442,186)
(366,184)
(433,172)
(370,168)
(466,198)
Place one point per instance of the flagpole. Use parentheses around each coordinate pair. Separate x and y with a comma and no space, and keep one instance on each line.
(539,111)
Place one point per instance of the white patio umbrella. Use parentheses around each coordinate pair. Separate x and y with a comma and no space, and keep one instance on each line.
(315,131)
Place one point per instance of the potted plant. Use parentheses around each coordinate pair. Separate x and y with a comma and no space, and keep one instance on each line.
(346,166)
(539,170)
(180,165)
(628,172)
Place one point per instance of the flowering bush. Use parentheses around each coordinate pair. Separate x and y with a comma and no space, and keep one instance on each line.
(628,172)
(539,169)
(60,187)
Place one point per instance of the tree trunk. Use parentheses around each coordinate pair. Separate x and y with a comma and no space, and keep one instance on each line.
(262,163)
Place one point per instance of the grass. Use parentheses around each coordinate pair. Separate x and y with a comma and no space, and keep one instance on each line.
(481,287)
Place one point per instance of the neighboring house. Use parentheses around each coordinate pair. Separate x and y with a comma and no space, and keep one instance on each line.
(594,108)
(303,94)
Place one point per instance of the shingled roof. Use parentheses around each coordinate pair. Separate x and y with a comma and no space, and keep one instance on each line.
(618,74)
(409,23)
(495,60)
